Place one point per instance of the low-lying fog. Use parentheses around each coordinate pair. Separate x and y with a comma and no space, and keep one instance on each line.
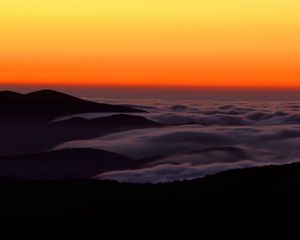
(201,138)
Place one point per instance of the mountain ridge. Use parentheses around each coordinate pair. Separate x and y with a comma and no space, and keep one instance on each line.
(53,103)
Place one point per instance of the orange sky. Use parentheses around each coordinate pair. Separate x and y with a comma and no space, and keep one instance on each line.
(151,42)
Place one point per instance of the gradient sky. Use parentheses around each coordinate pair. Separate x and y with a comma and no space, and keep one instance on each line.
(151,42)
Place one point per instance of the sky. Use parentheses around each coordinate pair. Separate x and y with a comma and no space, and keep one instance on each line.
(215,43)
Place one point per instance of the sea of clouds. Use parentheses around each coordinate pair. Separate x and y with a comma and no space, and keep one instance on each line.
(201,138)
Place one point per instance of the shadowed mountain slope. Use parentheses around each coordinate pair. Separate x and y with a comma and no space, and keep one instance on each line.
(26,120)
(19,137)
(65,164)
(110,121)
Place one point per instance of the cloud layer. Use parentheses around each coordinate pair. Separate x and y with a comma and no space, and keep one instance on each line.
(202,138)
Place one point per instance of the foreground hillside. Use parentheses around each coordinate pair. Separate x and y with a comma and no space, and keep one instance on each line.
(247,190)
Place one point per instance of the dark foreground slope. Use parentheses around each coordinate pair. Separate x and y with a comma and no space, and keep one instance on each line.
(258,189)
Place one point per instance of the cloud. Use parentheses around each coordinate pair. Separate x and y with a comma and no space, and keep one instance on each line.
(263,143)
(168,172)
(260,133)
(152,142)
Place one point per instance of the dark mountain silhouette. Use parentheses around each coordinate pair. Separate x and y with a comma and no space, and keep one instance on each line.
(64,164)
(10,98)
(239,193)
(19,137)
(110,121)
(52,104)
(26,120)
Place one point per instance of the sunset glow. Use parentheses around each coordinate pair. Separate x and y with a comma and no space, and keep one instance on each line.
(151,42)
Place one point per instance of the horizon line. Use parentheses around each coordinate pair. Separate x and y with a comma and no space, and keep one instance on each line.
(165,87)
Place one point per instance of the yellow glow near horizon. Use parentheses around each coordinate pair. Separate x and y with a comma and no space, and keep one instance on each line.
(151,42)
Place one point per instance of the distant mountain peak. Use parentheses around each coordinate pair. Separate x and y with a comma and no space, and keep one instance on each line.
(9,93)
(6,92)
(45,91)
(10,97)
(52,103)
(48,96)
(49,92)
